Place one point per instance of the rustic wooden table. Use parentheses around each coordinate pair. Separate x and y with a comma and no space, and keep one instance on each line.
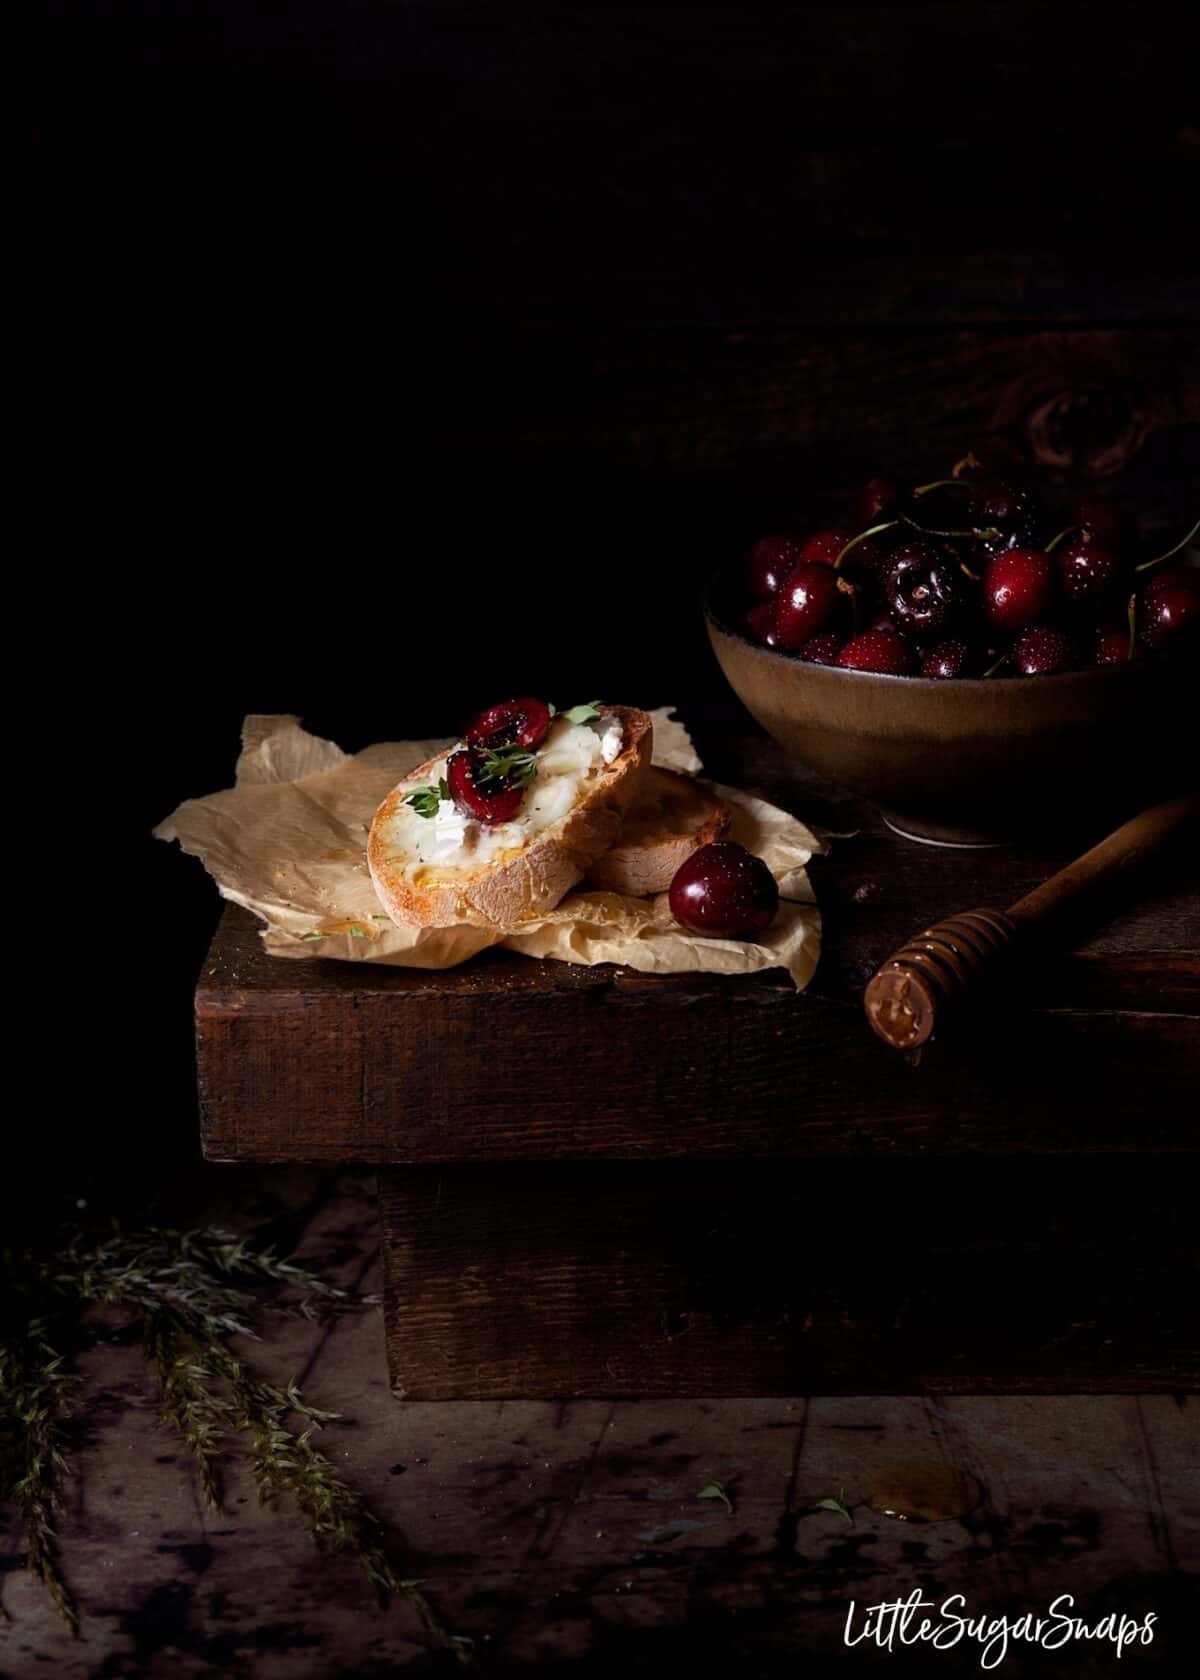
(596,1184)
(566,1537)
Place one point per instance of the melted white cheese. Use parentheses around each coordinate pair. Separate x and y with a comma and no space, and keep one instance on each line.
(571,755)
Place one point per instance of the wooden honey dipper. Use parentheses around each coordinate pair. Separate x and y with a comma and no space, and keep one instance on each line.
(935,974)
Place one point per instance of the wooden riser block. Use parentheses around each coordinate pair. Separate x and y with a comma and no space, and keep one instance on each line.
(804,1278)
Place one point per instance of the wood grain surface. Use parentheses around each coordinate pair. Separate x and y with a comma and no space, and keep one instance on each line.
(566,1537)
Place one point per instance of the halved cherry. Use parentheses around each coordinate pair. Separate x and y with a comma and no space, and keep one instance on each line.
(487,802)
(513,723)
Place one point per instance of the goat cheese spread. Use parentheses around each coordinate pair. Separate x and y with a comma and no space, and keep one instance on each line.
(571,754)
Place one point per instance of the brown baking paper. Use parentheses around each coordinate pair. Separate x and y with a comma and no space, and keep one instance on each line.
(288,841)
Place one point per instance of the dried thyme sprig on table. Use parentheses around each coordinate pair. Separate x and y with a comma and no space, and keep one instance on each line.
(37,1395)
(189,1292)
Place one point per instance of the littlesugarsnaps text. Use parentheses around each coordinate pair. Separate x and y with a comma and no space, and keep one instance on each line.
(914,1620)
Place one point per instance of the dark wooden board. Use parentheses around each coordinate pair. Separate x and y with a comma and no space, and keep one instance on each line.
(325,1061)
(829,1277)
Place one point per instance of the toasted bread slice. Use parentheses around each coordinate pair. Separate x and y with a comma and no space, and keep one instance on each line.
(440,871)
(671,817)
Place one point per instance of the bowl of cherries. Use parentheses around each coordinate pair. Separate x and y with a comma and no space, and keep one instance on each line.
(973,660)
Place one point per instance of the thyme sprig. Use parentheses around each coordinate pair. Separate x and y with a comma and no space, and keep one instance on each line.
(425,800)
(188,1293)
(509,767)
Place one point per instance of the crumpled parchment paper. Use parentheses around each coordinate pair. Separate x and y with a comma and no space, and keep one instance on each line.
(288,841)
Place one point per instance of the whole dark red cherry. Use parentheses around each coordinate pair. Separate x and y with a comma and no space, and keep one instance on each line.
(1010,507)
(881,651)
(926,592)
(948,659)
(1112,647)
(724,891)
(1088,571)
(804,603)
(822,649)
(489,803)
(1044,649)
(771,559)
(513,723)
(1019,585)
(758,621)
(879,497)
(1166,613)
(824,547)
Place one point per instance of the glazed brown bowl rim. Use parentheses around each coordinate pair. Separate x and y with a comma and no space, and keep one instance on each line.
(1088,673)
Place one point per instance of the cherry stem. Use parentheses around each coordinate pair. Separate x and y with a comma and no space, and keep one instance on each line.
(1131,614)
(1159,558)
(935,484)
(956,472)
(1003,660)
(961,467)
(983,533)
(871,531)
(1065,532)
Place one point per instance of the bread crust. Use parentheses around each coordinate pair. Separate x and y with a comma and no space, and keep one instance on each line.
(504,891)
(671,817)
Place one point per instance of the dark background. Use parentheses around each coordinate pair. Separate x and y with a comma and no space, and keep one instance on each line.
(384,359)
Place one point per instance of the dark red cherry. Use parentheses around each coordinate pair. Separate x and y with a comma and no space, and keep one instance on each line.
(879,497)
(927,592)
(1010,507)
(804,603)
(1166,613)
(1019,585)
(1186,578)
(771,559)
(513,723)
(822,649)
(1112,647)
(823,548)
(487,802)
(758,622)
(877,650)
(1088,571)
(724,891)
(1044,649)
(948,659)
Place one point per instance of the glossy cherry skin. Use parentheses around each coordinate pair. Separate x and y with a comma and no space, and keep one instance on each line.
(487,805)
(1112,647)
(927,591)
(1042,650)
(1167,613)
(1088,571)
(879,497)
(881,651)
(822,649)
(513,723)
(823,548)
(1012,508)
(1019,585)
(758,622)
(804,604)
(1186,578)
(725,892)
(948,659)
(771,559)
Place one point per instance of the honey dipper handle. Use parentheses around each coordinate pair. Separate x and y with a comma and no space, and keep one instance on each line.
(935,973)
(1122,851)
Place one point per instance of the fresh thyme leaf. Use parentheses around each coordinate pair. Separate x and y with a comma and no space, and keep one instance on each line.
(425,800)
(314,936)
(376,916)
(510,767)
(355,932)
(552,708)
(717,1490)
(586,713)
(839,1505)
